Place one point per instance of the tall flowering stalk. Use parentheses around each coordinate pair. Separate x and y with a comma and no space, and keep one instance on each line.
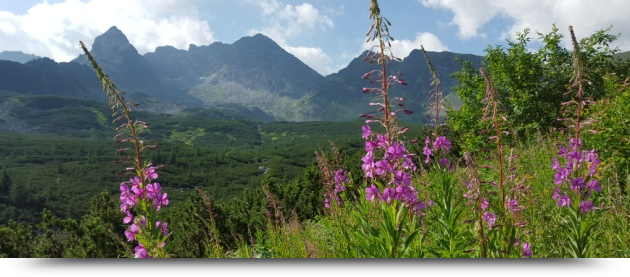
(389,213)
(505,221)
(448,233)
(141,197)
(435,82)
(576,169)
(387,162)
(335,178)
(474,197)
(441,145)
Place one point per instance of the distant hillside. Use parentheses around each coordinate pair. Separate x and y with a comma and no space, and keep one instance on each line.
(624,55)
(253,77)
(17,56)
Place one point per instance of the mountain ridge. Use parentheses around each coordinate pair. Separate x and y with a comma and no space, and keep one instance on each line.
(253,76)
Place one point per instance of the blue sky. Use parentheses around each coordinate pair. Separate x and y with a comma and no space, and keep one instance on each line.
(325,34)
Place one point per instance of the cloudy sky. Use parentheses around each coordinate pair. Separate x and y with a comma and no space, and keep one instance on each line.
(325,34)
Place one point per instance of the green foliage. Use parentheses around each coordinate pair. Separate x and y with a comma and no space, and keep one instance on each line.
(449,239)
(530,84)
(613,127)
(15,240)
(383,230)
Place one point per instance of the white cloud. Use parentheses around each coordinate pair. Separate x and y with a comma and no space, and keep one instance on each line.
(402,48)
(587,17)
(54,30)
(284,21)
(313,57)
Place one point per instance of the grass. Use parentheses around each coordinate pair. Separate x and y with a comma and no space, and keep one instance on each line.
(324,237)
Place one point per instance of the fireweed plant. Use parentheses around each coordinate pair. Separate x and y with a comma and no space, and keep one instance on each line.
(335,178)
(141,197)
(387,164)
(576,169)
(504,218)
(449,236)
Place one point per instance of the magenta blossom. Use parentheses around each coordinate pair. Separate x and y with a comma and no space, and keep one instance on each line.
(489,218)
(366,131)
(527,250)
(586,207)
(564,200)
(141,252)
(442,143)
(372,193)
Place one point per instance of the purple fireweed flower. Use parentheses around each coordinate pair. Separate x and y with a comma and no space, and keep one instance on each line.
(442,143)
(418,207)
(141,252)
(127,199)
(339,188)
(564,200)
(153,190)
(527,250)
(577,184)
(556,164)
(594,185)
(130,235)
(383,167)
(489,218)
(381,141)
(586,207)
(590,156)
(366,131)
(389,195)
(427,151)
(368,165)
(372,193)
(572,143)
(162,227)
(484,204)
(150,173)
(132,231)
(326,200)
(159,201)
(556,193)
(407,194)
(575,156)
(128,217)
(408,163)
(341,177)
(513,205)
(444,162)
(137,191)
(135,181)
(401,178)
(561,175)
(396,151)
(370,145)
(592,168)
(562,151)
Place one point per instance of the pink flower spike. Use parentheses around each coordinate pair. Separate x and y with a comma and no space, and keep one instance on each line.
(128,217)
(130,236)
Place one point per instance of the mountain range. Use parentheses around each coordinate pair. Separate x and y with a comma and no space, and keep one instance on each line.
(253,77)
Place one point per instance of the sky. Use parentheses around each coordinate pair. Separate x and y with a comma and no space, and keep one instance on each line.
(324,34)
